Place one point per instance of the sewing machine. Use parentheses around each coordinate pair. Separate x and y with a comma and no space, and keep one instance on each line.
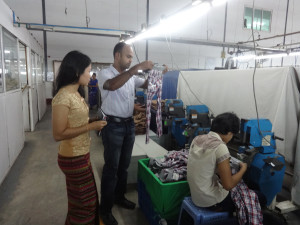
(257,148)
(198,121)
(176,121)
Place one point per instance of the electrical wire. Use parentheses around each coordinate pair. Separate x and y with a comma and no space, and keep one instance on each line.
(136,55)
(66,8)
(87,18)
(253,78)
(172,57)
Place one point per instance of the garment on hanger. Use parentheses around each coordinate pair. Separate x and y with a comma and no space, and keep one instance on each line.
(154,88)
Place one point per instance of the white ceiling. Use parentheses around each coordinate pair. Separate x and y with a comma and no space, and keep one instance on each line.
(131,14)
(109,14)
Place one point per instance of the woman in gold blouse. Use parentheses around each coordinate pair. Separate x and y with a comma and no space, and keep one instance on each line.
(71,126)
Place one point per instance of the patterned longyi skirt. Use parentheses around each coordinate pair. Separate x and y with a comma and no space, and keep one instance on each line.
(81,190)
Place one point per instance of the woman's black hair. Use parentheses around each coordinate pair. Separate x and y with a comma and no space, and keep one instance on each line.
(226,122)
(70,70)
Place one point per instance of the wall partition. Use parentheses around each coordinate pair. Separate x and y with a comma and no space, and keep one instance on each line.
(1,65)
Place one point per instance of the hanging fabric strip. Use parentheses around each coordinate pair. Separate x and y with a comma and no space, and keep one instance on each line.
(154,88)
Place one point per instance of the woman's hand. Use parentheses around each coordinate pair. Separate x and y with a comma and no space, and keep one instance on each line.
(97,125)
(243,166)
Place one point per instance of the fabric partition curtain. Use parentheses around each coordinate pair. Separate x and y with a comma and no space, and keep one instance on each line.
(296,181)
(277,94)
(169,87)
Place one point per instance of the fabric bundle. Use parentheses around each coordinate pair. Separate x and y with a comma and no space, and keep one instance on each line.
(140,122)
(173,167)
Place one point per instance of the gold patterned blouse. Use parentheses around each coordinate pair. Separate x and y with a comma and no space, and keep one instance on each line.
(78,116)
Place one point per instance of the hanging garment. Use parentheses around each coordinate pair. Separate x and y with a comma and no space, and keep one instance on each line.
(154,88)
(247,205)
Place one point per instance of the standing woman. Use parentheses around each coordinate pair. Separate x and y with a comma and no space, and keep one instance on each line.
(71,126)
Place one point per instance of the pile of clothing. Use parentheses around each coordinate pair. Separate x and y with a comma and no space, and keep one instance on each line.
(140,122)
(154,105)
(172,167)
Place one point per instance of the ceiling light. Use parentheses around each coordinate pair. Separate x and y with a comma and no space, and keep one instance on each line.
(172,23)
(294,53)
(271,56)
(244,57)
(6,51)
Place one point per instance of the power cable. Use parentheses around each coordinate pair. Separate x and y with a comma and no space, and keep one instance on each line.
(253,78)
(135,53)
(66,9)
(172,57)
(87,18)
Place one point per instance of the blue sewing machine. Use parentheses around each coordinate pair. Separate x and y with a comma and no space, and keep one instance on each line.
(267,168)
(198,121)
(176,120)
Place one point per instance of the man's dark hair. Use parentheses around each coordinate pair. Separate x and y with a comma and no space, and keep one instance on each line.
(226,122)
(70,70)
(119,47)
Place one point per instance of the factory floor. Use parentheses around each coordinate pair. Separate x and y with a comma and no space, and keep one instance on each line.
(34,192)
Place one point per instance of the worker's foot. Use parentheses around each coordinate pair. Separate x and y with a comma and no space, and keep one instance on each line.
(108,219)
(125,203)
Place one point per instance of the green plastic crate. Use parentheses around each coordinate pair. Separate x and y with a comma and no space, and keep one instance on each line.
(166,197)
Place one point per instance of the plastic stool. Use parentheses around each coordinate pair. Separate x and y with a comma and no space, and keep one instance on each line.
(202,215)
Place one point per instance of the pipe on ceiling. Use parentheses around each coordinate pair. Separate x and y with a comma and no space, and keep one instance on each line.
(72,29)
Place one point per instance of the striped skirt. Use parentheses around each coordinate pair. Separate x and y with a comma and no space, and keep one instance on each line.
(81,190)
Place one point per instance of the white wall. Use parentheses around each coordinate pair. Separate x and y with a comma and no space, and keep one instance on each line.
(41,94)
(4,154)
(26,112)
(14,104)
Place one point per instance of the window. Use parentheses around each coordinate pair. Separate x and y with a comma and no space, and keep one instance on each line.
(23,65)
(261,20)
(11,68)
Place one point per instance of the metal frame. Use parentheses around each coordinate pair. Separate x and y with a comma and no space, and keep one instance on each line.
(2,61)
(271,11)
(17,40)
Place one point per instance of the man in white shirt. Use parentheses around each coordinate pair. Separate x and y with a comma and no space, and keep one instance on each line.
(117,85)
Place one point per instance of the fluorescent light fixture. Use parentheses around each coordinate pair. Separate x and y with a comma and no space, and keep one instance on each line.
(174,22)
(196,2)
(6,51)
(244,57)
(294,53)
(271,56)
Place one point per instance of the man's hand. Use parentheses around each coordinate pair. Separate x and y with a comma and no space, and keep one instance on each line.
(139,108)
(166,69)
(146,65)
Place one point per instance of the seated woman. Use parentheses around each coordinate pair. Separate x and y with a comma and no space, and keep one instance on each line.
(208,169)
